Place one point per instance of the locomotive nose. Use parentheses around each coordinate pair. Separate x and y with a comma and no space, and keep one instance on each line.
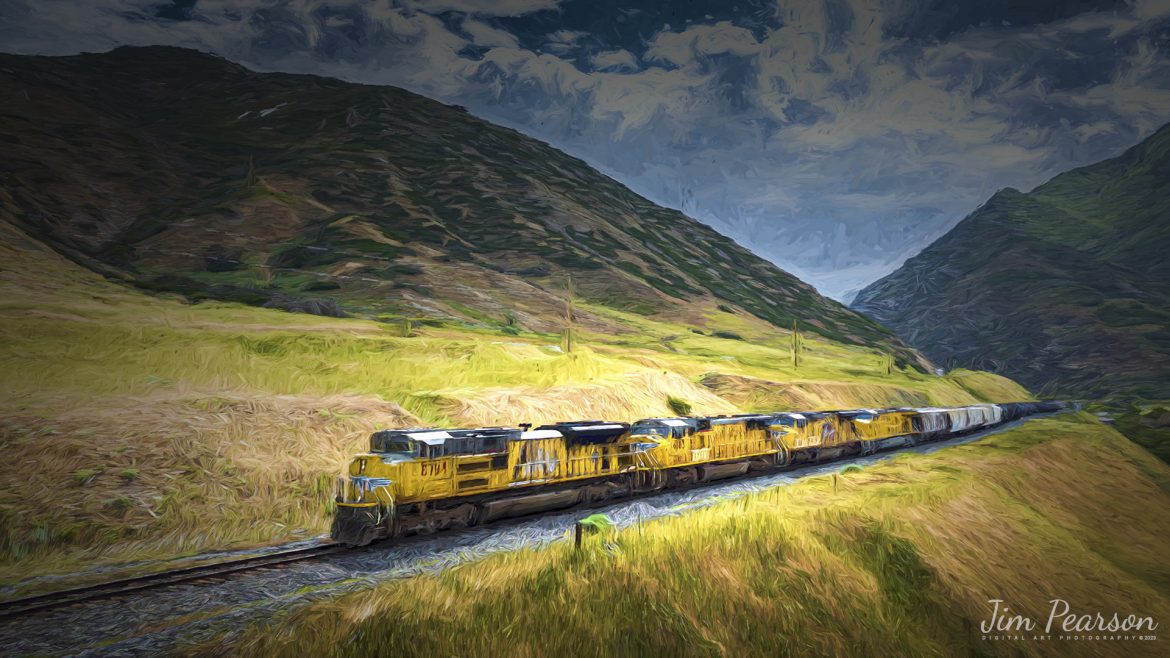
(365,510)
(356,526)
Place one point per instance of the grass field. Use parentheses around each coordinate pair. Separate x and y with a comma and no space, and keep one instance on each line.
(137,426)
(1147,423)
(900,558)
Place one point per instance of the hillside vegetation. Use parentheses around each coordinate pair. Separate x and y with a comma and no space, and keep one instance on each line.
(184,172)
(1065,289)
(900,558)
(137,425)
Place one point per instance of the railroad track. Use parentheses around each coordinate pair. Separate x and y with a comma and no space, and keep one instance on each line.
(64,598)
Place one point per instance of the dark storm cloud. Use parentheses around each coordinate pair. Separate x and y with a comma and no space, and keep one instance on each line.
(613,24)
(940,19)
(176,10)
(835,137)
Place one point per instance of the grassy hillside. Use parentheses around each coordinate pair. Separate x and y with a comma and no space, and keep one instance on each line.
(899,558)
(137,425)
(1147,424)
(1066,288)
(184,172)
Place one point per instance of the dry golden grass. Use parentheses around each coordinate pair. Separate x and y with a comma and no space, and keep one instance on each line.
(171,473)
(627,397)
(757,393)
(138,426)
(896,559)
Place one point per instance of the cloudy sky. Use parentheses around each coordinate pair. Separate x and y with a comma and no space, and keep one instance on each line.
(835,137)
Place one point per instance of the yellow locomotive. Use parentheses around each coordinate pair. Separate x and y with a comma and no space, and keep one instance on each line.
(416,481)
(423,480)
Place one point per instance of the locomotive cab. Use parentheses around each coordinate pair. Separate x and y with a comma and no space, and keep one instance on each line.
(408,465)
(786,424)
(659,430)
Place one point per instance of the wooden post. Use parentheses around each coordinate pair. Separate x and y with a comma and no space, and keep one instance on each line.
(250,178)
(577,532)
(569,315)
(795,346)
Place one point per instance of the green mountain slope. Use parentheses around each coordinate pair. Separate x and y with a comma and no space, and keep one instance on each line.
(1066,288)
(184,172)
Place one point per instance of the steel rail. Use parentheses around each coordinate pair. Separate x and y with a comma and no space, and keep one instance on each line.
(67,597)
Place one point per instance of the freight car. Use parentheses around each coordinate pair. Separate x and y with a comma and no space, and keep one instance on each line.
(417,481)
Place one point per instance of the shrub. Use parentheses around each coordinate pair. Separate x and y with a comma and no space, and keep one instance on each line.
(84,476)
(678,405)
(118,505)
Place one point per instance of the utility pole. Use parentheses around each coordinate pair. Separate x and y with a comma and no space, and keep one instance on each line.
(568,335)
(795,346)
(250,179)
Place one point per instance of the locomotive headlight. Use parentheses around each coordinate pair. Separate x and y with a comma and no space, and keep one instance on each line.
(358,489)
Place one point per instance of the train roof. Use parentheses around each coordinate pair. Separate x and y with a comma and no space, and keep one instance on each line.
(691,421)
(532,435)
(588,431)
(802,414)
(739,418)
(436,436)
(854,413)
(669,422)
(585,426)
(451,441)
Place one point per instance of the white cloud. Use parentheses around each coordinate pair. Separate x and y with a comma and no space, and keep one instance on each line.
(615,60)
(486,35)
(683,48)
(1149,10)
(566,36)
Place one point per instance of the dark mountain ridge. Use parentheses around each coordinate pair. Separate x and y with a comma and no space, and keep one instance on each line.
(183,172)
(1065,288)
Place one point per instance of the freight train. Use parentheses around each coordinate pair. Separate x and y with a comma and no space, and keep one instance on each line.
(418,481)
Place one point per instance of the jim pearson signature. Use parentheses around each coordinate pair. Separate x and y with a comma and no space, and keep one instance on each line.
(1064,619)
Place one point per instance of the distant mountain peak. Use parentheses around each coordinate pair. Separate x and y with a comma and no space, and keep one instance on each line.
(1065,288)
